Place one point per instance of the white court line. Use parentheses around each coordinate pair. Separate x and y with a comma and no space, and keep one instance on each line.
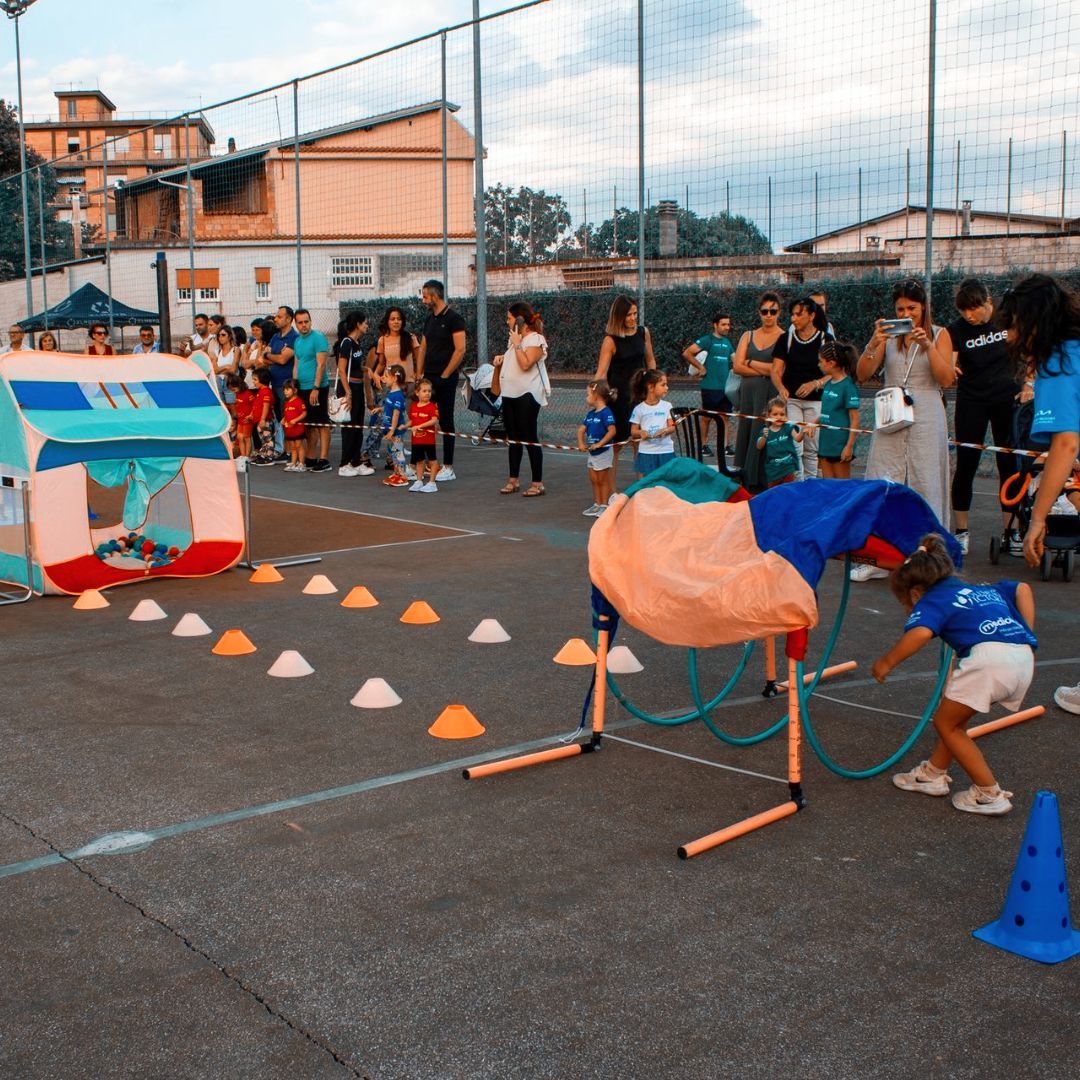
(372,547)
(365,513)
(868,708)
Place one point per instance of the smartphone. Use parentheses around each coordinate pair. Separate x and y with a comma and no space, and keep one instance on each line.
(896,327)
(519,325)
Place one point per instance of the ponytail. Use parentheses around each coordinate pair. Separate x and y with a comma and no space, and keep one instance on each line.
(928,564)
(642,381)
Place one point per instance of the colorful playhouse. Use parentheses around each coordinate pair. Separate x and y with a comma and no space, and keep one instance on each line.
(129,470)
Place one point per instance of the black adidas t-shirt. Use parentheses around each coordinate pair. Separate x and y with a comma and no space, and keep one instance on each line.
(986,371)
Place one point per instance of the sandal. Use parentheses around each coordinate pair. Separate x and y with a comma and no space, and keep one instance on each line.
(533,490)
(510,488)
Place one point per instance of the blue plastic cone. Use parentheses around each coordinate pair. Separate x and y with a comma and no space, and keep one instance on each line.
(1036,921)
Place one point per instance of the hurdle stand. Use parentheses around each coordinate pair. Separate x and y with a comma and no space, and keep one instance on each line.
(795,649)
(245,560)
(20,488)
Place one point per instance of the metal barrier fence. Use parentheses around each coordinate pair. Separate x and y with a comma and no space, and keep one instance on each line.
(735,145)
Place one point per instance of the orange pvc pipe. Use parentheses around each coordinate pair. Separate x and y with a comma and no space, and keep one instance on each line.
(600,687)
(758,821)
(770,659)
(1006,721)
(510,764)
(794,746)
(828,673)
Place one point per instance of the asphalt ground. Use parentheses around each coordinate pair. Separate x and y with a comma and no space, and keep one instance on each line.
(320,893)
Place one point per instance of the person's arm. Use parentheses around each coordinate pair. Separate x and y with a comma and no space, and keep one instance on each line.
(343,363)
(286,356)
(906,647)
(607,351)
(496,375)
(581,437)
(419,358)
(1025,603)
(738,361)
(1059,462)
(945,345)
(797,434)
(609,437)
(690,356)
(526,357)
(779,366)
(650,358)
(457,355)
(302,417)
(853,423)
(320,367)
(873,356)
(762,438)
(258,411)
(392,433)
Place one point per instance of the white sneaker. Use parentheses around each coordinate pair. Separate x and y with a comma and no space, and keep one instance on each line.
(364,470)
(417,486)
(410,473)
(961,536)
(446,473)
(346,470)
(592,511)
(611,498)
(920,780)
(975,801)
(866,572)
(430,488)
(1068,698)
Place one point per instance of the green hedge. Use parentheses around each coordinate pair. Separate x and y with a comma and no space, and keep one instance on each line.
(574,321)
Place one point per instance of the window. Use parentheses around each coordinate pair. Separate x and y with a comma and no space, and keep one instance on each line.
(207,285)
(73,145)
(72,108)
(351,270)
(163,145)
(262,283)
(183,294)
(121,145)
(394,268)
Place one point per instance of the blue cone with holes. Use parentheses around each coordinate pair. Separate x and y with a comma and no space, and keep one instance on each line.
(1036,921)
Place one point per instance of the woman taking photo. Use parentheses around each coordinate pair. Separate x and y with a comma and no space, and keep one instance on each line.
(918,364)
(753,362)
(521,378)
(627,348)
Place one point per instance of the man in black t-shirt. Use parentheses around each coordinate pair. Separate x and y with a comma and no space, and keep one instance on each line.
(442,349)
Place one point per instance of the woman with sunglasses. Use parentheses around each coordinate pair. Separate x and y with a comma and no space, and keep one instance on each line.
(97,345)
(917,456)
(753,361)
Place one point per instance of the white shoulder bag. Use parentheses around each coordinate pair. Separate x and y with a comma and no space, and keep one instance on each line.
(336,408)
(894,408)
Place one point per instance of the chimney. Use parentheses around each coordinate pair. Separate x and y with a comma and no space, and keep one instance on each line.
(232,145)
(668,211)
(965,218)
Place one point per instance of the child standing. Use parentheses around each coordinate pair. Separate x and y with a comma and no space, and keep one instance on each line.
(245,402)
(262,418)
(778,439)
(651,426)
(394,422)
(423,420)
(839,409)
(596,434)
(990,627)
(293,415)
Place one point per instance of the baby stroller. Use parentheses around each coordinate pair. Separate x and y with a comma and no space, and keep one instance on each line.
(1018,492)
(476,392)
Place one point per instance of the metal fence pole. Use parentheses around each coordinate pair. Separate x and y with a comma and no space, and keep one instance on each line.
(478,213)
(190,186)
(1008,191)
(931,74)
(105,214)
(41,239)
(956,203)
(296,173)
(1064,139)
(641,159)
(445,203)
(23,180)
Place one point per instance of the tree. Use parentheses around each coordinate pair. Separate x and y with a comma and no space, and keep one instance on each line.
(58,244)
(716,235)
(523,226)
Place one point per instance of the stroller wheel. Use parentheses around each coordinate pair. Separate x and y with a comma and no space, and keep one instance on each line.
(1046,565)
(995,549)
(1069,563)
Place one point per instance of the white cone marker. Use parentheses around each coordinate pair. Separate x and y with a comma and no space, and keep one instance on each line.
(489,632)
(375,694)
(290,665)
(191,625)
(320,585)
(147,611)
(621,661)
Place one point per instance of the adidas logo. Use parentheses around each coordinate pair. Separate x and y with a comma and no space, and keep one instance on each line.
(985,339)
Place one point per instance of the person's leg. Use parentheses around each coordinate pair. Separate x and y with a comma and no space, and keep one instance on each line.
(811,414)
(445,396)
(279,432)
(704,419)
(827,469)
(529,415)
(596,484)
(1001,414)
(512,412)
(607,485)
(969,425)
(955,744)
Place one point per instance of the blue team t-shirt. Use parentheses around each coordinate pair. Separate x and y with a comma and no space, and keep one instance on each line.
(307,348)
(781,457)
(837,398)
(965,615)
(281,373)
(597,422)
(395,399)
(718,352)
(1057,394)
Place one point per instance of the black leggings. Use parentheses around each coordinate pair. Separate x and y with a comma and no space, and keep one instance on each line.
(444,393)
(519,418)
(970,424)
(352,434)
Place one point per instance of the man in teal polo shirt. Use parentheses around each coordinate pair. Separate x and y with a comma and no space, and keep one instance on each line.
(309,370)
(714,401)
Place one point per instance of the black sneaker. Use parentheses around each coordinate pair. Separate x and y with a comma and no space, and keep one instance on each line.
(706,451)
(281,459)
(320,465)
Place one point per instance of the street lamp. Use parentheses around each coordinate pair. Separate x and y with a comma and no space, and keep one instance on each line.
(13,9)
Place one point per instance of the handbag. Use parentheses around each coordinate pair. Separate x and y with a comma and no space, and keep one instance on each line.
(894,408)
(338,411)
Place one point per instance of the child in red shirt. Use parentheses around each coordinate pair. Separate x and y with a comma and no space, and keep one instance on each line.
(423,420)
(293,415)
(245,402)
(262,417)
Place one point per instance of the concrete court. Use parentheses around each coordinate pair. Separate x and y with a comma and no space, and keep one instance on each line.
(409,924)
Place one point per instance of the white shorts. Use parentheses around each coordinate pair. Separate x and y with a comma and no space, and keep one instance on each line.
(993,673)
(604,460)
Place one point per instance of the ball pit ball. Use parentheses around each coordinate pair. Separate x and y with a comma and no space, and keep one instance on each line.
(147,547)
(160,549)
(173,552)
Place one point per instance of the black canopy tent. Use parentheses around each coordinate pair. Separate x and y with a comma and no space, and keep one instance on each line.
(85,306)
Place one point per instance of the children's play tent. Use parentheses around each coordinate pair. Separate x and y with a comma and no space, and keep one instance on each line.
(129,469)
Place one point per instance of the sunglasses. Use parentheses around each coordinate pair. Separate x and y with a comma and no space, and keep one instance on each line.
(769,310)
(98,333)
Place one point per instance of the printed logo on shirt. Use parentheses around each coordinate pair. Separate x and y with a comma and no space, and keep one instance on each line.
(969,598)
(986,339)
(1003,623)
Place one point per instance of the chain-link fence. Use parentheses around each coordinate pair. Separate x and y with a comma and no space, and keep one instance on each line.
(738,146)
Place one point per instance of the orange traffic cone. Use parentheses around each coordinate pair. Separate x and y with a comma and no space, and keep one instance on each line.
(456,722)
(90,600)
(419,612)
(233,643)
(575,653)
(359,597)
(265,574)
